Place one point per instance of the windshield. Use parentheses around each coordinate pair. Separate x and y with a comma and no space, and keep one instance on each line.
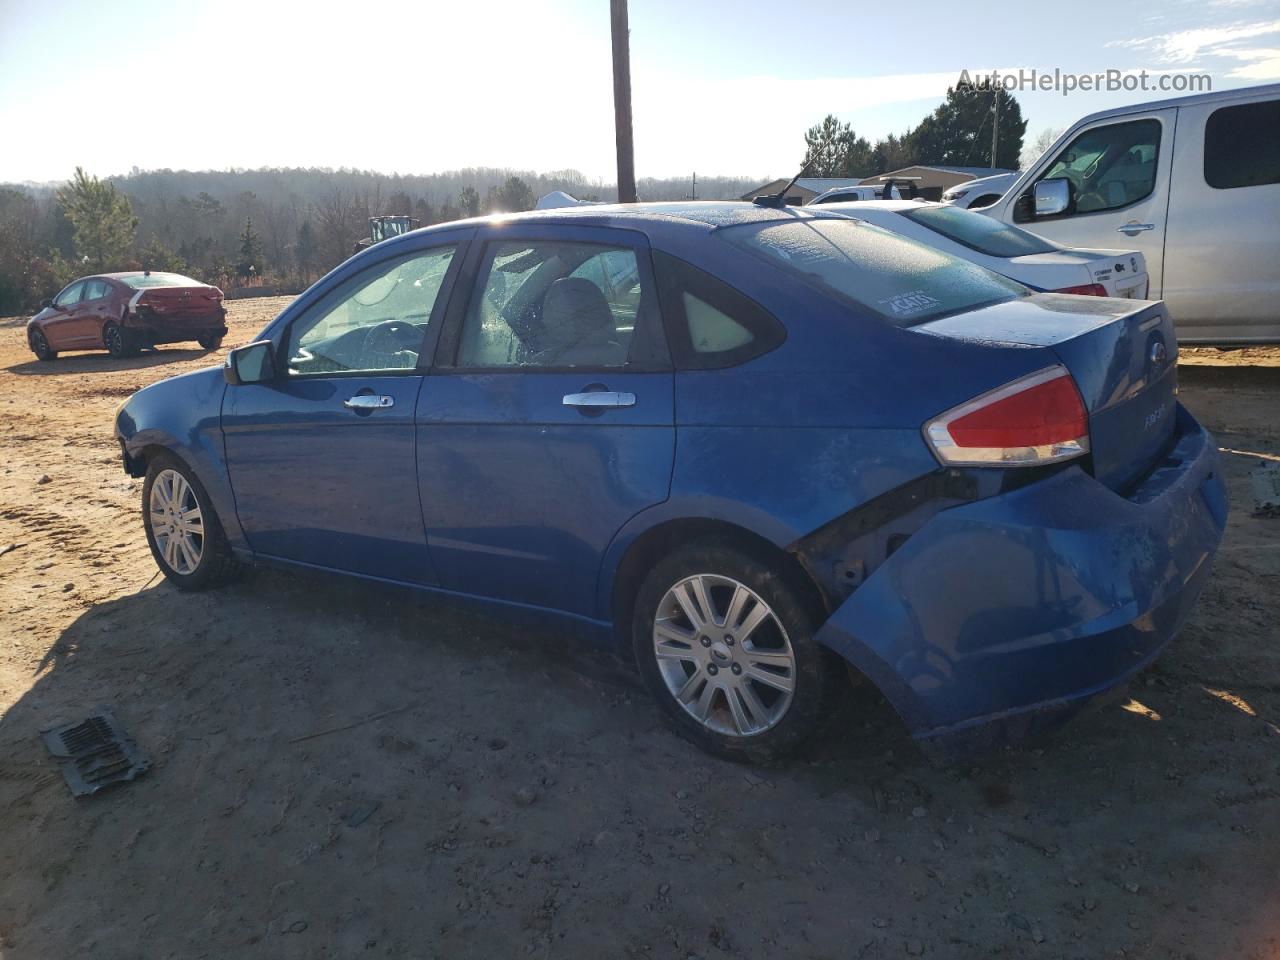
(900,280)
(141,282)
(979,232)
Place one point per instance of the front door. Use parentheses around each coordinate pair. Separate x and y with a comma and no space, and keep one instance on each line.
(60,329)
(1119,170)
(322,459)
(548,421)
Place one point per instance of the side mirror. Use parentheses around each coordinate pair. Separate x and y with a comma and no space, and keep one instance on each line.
(254,363)
(46,303)
(1053,197)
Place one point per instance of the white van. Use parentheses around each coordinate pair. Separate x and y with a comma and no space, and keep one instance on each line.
(1194,184)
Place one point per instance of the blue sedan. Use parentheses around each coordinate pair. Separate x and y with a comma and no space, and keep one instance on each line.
(759,446)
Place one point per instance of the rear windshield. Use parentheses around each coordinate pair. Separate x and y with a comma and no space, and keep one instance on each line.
(899,280)
(979,232)
(141,282)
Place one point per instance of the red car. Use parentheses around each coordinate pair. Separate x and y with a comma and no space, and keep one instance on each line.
(123,312)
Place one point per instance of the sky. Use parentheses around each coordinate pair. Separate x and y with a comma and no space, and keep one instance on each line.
(416,86)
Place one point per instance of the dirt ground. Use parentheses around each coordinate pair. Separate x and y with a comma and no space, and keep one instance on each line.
(501,793)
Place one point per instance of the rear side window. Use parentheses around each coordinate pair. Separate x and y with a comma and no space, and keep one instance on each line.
(979,232)
(95,289)
(710,325)
(1242,146)
(886,275)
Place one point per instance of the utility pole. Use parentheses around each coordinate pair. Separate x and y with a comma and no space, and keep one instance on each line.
(622,100)
(995,128)
(695,186)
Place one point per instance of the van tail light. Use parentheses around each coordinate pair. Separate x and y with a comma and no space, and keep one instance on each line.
(1085,290)
(1034,420)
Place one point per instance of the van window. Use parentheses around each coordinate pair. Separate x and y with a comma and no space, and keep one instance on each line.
(1242,146)
(1110,167)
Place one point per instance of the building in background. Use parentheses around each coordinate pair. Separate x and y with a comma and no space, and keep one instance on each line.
(803,190)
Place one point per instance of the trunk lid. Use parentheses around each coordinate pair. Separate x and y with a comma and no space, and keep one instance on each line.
(1122,356)
(181,303)
(1122,272)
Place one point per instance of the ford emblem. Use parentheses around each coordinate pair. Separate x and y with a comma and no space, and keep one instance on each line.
(1159,352)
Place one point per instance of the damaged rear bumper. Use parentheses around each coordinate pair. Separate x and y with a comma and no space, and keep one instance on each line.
(1005,616)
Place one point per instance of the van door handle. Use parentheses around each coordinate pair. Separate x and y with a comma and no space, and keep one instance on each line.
(1132,229)
(600,399)
(368,401)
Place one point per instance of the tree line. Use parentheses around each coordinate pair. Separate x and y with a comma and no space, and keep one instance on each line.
(956,133)
(283,227)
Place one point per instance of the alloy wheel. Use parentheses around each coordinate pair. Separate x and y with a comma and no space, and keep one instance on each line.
(724,655)
(114,341)
(176,521)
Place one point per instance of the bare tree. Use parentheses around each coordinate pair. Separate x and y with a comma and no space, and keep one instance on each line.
(1038,147)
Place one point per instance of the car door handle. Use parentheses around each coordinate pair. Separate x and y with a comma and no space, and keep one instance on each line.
(599,399)
(368,401)
(1134,228)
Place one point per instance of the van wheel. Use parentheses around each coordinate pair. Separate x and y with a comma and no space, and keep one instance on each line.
(117,342)
(725,644)
(183,531)
(40,346)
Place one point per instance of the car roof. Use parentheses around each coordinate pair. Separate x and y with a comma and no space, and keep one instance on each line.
(706,214)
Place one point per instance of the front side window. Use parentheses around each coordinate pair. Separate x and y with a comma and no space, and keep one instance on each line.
(890,276)
(548,303)
(374,321)
(1110,167)
(71,295)
(1242,146)
(979,232)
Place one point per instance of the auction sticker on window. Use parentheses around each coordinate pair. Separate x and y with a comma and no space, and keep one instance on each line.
(910,303)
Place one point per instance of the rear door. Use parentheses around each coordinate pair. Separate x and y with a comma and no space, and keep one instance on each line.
(322,459)
(548,420)
(1222,279)
(93,312)
(1119,169)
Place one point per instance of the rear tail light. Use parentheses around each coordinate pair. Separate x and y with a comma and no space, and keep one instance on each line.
(1034,420)
(1086,290)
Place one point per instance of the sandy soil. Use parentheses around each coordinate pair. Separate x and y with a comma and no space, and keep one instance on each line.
(513,793)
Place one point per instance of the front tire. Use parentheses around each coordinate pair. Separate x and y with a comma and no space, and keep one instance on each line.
(39,344)
(724,641)
(117,341)
(183,531)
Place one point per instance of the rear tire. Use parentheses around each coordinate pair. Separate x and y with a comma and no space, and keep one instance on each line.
(745,680)
(183,531)
(117,341)
(210,341)
(40,345)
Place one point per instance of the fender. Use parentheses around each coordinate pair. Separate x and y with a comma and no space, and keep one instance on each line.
(184,415)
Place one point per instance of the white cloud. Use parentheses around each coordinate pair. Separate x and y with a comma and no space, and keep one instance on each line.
(1184,46)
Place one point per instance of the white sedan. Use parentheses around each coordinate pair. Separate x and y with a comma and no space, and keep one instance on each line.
(981,192)
(1031,260)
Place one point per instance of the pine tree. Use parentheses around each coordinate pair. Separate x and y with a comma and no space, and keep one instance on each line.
(103,220)
(469,200)
(250,262)
(832,149)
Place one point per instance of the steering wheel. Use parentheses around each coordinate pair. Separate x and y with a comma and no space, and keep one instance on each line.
(393,336)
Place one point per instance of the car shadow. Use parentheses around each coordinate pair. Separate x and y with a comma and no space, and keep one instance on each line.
(104,363)
(310,736)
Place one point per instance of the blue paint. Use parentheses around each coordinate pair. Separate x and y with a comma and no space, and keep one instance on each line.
(483,484)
